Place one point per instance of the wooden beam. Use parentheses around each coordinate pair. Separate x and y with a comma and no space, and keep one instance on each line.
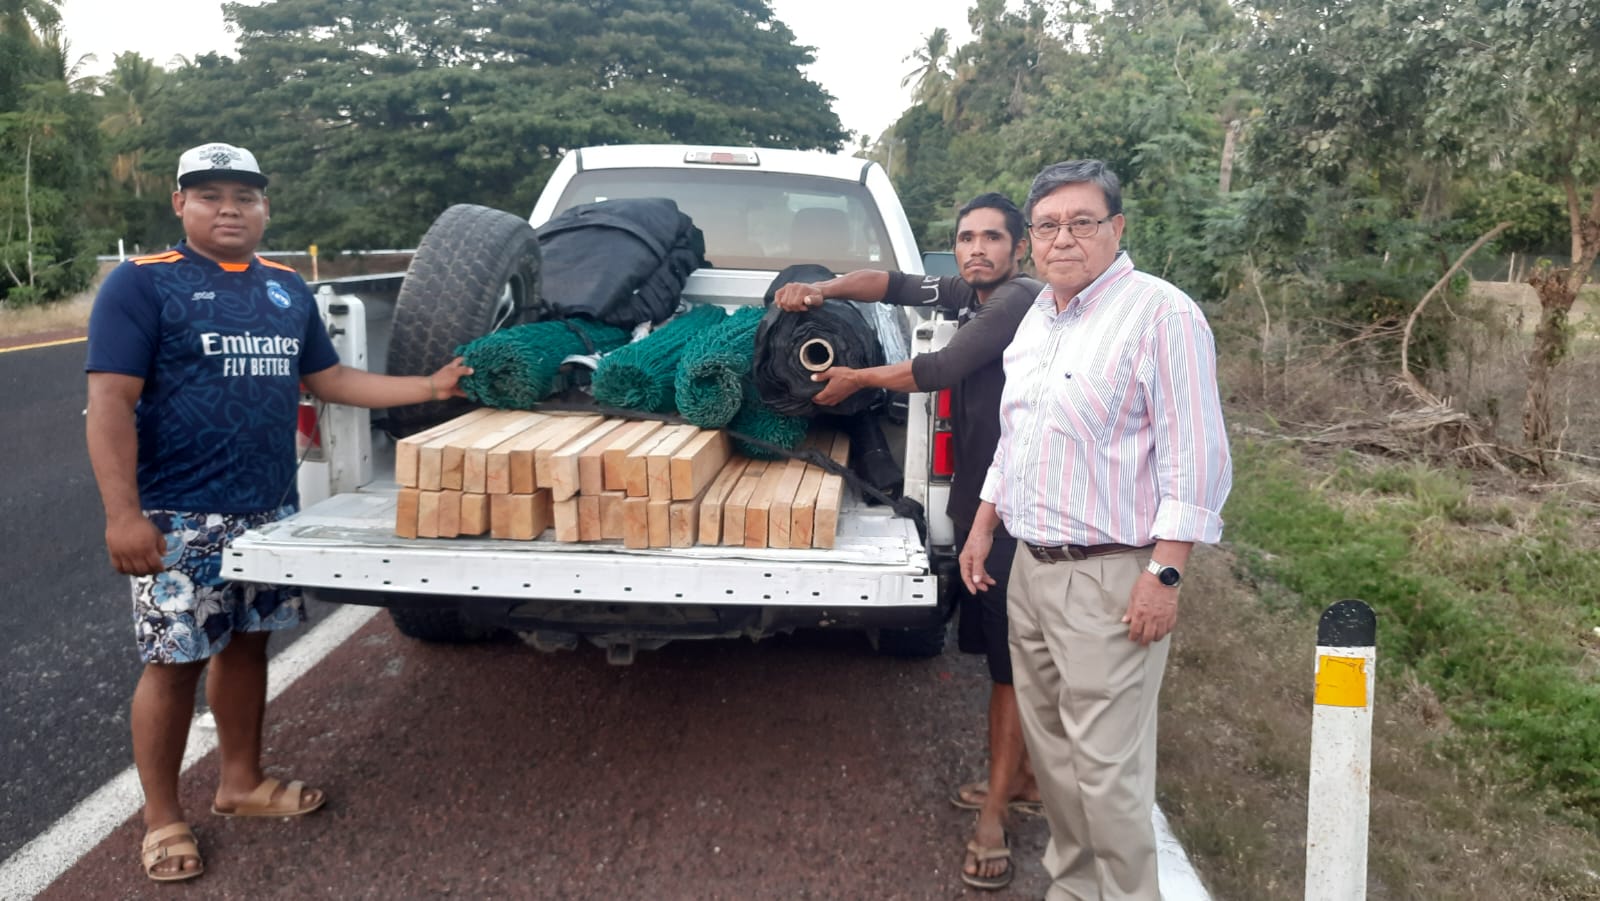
(475,468)
(636,521)
(683,519)
(520,517)
(453,457)
(733,510)
(802,514)
(716,494)
(697,463)
(405,512)
(628,437)
(449,514)
(571,428)
(591,462)
(780,516)
(428,514)
(659,462)
(636,464)
(588,517)
(566,518)
(407,449)
(474,514)
(830,495)
(560,472)
(510,463)
(611,514)
(757,514)
(658,517)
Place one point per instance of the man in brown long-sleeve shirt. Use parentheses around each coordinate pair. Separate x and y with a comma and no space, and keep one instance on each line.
(989,299)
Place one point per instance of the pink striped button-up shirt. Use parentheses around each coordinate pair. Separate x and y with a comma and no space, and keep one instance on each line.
(1110,425)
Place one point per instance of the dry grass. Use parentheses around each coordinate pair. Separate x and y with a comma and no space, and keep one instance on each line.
(1235,746)
(66,314)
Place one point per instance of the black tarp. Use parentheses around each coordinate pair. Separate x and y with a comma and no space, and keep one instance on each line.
(621,261)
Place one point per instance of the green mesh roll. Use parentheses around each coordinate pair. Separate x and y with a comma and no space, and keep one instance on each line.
(758,420)
(714,369)
(640,376)
(517,367)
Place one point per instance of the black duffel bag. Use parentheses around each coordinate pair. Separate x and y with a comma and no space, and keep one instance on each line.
(622,261)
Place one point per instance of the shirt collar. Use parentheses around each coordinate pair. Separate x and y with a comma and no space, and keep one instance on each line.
(1121,265)
(183,247)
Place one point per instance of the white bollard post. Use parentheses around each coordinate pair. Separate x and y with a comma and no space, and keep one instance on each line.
(122,255)
(1341,754)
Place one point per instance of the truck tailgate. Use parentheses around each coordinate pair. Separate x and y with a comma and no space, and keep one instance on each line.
(347,542)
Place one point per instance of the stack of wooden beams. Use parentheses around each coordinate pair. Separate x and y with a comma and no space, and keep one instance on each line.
(513,474)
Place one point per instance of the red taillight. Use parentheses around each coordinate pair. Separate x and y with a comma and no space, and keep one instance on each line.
(308,436)
(942,404)
(944,454)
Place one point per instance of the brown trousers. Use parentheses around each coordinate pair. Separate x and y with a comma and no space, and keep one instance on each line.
(1087,695)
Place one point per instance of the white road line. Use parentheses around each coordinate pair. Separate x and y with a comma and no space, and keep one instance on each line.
(41,861)
(1179,881)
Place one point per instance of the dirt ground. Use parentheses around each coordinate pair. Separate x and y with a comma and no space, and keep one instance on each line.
(1235,752)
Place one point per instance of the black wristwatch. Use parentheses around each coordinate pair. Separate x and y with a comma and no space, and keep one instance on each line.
(1168,575)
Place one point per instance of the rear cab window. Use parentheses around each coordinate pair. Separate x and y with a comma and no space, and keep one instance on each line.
(757,220)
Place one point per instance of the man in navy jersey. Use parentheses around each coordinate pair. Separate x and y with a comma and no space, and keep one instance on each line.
(196,357)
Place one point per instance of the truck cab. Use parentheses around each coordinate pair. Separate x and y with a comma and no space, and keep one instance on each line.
(760,210)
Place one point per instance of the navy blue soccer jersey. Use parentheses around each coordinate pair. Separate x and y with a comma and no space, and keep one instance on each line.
(221,348)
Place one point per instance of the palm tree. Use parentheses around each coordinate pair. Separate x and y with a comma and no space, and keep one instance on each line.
(29,18)
(930,76)
(128,88)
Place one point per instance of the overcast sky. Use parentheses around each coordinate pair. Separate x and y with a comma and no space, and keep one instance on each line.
(861,44)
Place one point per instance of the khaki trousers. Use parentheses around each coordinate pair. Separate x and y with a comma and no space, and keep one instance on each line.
(1087,695)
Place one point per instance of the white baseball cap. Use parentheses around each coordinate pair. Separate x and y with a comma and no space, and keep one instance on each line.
(219,162)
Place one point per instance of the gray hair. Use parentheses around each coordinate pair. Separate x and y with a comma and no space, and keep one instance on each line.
(1076,172)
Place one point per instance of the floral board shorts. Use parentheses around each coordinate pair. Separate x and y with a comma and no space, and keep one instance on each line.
(188,612)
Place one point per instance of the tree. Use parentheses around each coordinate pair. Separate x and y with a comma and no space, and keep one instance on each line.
(47,153)
(378,115)
(1478,89)
(1536,75)
(128,89)
(930,75)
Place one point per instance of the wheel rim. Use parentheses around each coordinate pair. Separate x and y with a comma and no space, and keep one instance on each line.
(509,305)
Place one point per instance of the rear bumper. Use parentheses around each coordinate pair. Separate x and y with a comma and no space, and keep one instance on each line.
(662,620)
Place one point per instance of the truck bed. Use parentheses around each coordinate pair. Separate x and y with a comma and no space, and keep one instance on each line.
(347,543)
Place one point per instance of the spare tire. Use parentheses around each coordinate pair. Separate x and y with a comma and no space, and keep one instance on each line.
(476,270)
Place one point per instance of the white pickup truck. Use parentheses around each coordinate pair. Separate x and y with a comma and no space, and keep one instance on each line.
(760,210)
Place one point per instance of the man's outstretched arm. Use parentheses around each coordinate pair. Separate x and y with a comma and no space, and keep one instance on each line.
(863,284)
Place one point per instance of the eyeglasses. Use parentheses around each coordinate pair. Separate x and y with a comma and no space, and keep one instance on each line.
(1078,228)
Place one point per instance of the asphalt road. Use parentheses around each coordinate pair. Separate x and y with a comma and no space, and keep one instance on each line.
(67,637)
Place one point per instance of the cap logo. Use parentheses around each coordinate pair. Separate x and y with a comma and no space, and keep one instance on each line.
(221,158)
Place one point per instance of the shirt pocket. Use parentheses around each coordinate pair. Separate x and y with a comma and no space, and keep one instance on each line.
(1081,406)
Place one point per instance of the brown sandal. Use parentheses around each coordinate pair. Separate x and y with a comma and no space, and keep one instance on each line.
(983,855)
(156,849)
(260,802)
(960,800)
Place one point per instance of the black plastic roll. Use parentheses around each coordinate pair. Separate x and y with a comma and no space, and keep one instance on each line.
(791,347)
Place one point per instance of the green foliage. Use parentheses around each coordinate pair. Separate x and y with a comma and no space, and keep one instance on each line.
(48,154)
(374,116)
(1534,208)
(1495,627)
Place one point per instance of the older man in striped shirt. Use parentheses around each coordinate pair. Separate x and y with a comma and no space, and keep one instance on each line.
(1112,462)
